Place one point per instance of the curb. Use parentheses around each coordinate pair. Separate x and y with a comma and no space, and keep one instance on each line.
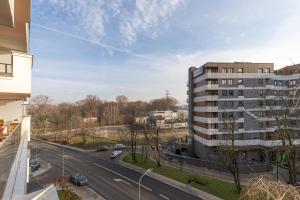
(64,146)
(178,185)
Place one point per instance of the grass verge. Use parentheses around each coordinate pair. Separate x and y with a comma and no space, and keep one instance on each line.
(222,189)
(92,142)
(64,195)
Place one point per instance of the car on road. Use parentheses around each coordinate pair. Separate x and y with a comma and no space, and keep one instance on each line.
(115,154)
(120,146)
(102,148)
(78,179)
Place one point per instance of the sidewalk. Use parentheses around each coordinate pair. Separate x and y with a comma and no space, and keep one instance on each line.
(186,188)
(224,176)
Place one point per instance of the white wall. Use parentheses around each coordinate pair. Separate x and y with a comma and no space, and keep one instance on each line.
(11,111)
(5,57)
(21,80)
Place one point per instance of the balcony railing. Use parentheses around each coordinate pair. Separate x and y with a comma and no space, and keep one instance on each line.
(8,151)
(16,174)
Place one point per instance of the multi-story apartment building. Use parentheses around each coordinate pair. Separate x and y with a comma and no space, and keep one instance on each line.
(15,89)
(244,94)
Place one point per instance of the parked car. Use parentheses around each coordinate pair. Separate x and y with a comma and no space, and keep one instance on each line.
(120,146)
(115,154)
(35,166)
(102,148)
(78,179)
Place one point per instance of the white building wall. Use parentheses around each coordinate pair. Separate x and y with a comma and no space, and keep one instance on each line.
(20,82)
(11,111)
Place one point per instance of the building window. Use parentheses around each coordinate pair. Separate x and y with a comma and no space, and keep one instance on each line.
(230,103)
(241,114)
(230,70)
(224,70)
(214,137)
(241,104)
(240,82)
(241,93)
(224,82)
(292,82)
(241,125)
(267,70)
(230,82)
(230,93)
(260,81)
(224,92)
(261,103)
(260,70)
(261,124)
(213,126)
(241,70)
(5,69)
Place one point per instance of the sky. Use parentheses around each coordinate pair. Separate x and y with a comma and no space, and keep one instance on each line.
(142,48)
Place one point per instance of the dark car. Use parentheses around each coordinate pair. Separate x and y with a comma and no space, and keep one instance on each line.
(78,179)
(35,166)
(102,148)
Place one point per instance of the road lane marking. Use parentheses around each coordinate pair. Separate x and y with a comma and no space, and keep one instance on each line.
(121,180)
(120,175)
(163,196)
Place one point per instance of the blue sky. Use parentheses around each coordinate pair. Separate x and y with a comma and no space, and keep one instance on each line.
(143,48)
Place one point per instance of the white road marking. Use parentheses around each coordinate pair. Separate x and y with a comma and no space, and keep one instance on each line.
(121,180)
(121,175)
(163,196)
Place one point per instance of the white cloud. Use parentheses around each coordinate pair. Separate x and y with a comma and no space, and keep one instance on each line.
(89,15)
(92,16)
(147,15)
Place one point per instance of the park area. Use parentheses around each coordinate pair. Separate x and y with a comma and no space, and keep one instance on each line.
(219,188)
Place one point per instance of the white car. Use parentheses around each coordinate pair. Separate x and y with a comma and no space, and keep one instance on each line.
(120,146)
(114,154)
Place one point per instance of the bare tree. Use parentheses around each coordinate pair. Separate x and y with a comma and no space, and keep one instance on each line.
(133,138)
(268,189)
(283,111)
(154,142)
(229,152)
(40,110)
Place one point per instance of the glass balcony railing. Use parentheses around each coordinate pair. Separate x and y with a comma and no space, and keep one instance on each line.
(8,150)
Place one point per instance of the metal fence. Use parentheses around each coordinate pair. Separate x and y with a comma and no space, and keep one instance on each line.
(244,168)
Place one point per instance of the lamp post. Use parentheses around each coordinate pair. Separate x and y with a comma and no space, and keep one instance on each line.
(63,162)
(147,171)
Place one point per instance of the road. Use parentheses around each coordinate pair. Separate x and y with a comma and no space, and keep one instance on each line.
(106,177)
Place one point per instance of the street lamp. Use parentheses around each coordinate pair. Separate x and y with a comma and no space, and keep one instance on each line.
(147,171)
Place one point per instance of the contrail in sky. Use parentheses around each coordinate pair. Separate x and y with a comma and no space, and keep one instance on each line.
(100,44)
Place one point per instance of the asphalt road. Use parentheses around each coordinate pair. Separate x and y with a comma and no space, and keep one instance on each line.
(106,177)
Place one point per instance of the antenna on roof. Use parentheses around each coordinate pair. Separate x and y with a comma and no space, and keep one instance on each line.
(168,94)
(168,97)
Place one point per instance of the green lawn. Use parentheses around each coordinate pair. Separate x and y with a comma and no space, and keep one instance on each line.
(63,195)
(216,187)
(91,144)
